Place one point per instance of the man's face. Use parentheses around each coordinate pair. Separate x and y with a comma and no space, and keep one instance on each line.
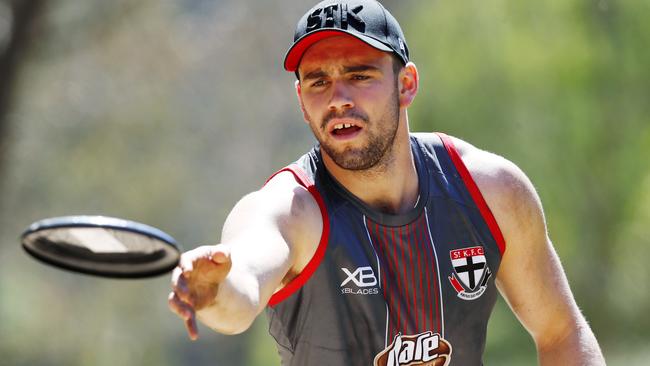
(348,92)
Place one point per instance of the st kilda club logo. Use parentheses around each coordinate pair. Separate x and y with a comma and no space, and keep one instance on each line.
(424,349)
(473,273)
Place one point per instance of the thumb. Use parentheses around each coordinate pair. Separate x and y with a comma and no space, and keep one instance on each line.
(213,269)
(208,274)
(220,254)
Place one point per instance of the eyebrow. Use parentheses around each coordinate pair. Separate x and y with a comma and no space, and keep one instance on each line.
(317,74)
(359,68)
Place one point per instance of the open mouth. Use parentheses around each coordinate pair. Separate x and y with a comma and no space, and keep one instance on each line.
(345,129)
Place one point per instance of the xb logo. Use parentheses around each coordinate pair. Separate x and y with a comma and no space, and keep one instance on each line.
(362,277)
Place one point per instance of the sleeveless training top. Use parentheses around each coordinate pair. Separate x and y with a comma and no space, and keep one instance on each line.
(389,290)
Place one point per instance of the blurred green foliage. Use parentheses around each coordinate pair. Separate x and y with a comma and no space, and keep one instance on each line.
(168,112)
(562,88)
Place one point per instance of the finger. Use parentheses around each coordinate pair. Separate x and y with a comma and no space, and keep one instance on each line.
(211,272)
(186,264)
(178,271)
(179,280)
(192,328)
(185,312)
(181,288)
(180,308)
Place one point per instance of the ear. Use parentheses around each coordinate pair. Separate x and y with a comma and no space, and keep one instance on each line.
(408,82)
(302,105)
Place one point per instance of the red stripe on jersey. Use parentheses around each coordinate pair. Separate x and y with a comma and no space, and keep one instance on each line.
(427,310)
(388,288)
(423,273)
(392,294)
(432,268)
(474,191)
(411,281)
(411,234)
(409,277)
(386,275)
(314,262)
(383,267)
(436,282)
(405,272)
(395,297)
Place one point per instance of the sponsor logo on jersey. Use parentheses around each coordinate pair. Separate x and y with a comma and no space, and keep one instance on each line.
(424,349)
(361,281)
(472,272)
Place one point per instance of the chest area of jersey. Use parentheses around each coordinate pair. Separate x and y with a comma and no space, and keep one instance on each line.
(418,281)
(410,262)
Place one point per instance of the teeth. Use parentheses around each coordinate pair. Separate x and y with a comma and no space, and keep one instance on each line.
(342,126)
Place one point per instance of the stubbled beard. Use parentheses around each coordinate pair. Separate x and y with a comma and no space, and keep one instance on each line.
(378,146)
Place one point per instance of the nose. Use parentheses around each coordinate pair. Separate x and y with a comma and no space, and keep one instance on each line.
(340,98)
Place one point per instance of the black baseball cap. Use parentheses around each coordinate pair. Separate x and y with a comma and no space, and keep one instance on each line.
(366,20)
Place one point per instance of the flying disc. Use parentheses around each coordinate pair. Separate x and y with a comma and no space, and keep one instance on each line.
(102,246)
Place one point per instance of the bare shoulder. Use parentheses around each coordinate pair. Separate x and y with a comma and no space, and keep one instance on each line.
(284,191)
(286,205)
(507,190)
(290,196)
(281,198)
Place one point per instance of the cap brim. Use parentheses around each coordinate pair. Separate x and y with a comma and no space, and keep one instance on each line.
(297,50)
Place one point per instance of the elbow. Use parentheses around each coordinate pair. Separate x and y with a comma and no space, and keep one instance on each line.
(577,346)
(563,334)
(235,308)
(239,321)
(233,328)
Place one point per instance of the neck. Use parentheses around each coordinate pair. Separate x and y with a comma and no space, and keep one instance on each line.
(392,185)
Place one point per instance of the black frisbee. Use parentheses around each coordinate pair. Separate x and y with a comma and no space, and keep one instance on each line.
(102,246)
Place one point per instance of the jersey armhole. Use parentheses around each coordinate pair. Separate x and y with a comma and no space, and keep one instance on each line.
(294,285)
(474,191)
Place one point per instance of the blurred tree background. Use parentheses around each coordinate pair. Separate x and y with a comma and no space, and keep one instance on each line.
(167,112)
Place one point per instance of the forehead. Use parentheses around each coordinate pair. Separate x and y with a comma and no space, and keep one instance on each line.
(340,51)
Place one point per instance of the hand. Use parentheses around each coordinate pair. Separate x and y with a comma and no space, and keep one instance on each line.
(195,282)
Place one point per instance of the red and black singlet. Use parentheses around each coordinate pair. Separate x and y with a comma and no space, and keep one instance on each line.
(389,290)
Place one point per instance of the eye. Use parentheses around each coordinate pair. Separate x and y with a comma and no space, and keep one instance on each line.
(360,77)
(318,83)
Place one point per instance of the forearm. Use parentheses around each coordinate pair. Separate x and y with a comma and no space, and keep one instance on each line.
(245,291)
(578,347)
(236,305)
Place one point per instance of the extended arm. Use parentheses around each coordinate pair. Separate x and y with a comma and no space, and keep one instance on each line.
(530,276)
(267,239)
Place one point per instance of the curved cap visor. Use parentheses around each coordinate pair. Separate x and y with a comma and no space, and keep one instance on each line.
(294,54)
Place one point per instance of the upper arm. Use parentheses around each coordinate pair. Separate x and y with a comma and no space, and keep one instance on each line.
(272,233)
(530,276)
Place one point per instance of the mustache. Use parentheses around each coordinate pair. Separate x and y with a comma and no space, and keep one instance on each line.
(348,114)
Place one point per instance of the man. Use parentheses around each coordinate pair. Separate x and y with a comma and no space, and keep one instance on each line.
(381,247)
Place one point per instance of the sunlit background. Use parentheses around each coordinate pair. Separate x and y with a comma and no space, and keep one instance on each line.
(167,112)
